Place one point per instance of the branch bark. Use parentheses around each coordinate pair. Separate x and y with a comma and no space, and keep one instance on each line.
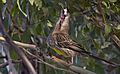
(72,67)
(18,50)
(20,43)
(116,40)
(55,59)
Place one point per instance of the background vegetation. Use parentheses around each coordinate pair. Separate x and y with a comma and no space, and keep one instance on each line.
(95,24)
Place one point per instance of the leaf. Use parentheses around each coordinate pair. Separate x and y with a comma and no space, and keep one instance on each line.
(4,1)
(107,29)
(105,45)
(113,0)
(21,9)
(49,24)
(104,3)
(96,44)
(31,1)
(38,3)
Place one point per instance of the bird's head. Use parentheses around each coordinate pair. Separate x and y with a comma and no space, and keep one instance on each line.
(64,13)
(63,22)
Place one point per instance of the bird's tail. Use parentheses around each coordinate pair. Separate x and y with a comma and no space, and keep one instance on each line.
(82,51)
(99,58)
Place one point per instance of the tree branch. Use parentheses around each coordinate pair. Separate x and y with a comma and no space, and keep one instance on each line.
(116,40)
(72,67)
(20,43)
(18,50)
(55,59)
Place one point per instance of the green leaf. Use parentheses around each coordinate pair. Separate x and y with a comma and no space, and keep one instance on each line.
(107,29)
(97,45)
(49,24)
(38,3)
(21,9)
(31,1)
(4,1)
(113,0)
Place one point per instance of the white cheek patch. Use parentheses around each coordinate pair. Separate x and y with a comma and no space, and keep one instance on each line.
(65,11)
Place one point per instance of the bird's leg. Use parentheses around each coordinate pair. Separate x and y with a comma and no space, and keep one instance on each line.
(70,60)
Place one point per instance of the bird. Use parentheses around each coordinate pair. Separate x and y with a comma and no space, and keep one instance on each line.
(59,38)
(61,42)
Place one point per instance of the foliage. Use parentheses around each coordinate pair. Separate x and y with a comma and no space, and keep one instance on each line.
(92,24)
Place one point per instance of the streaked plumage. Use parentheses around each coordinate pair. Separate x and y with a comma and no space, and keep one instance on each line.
(59,38)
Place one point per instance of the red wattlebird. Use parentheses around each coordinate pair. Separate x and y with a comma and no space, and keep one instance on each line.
(60,41)
(58,38)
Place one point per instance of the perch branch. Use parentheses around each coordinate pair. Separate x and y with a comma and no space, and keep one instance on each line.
(55,59)
(20,43)
(72,67)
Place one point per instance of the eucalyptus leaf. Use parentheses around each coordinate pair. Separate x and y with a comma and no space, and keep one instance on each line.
(108,29)
(38,3)
(112,0)
(31,1)
(49,24)
(4,1)
(18,3)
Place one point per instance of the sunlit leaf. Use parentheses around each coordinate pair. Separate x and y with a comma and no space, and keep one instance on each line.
(112,0)
(31,1)
(21,9)
(104,3)
(49,24)
(38,3)
(4,1)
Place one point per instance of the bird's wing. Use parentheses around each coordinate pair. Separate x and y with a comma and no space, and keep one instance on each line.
(52,43)
(63,40)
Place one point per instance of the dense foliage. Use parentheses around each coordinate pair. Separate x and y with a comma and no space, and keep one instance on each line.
(95,24)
